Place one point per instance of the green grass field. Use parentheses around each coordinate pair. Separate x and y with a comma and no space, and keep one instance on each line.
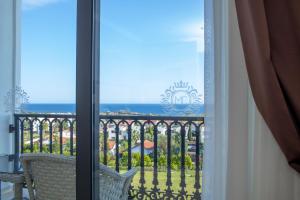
(162,178)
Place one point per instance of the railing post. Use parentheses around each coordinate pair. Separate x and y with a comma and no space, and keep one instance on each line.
(71,138)
(51,137)
(117,148)
(142,188)
(22,136)
(31,136)
(17,145)
(61,137)
(129,147)
(105,143)
(169,178)
(41,135)
(197,185)
(182,167)
(155,190)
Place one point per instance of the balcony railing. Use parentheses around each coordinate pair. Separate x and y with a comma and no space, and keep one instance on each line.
(167,150)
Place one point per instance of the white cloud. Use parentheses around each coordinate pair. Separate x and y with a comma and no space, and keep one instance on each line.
(194,32)
(121,30)
(30,4)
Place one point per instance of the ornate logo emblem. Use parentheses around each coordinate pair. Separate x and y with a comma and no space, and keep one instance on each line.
(15,100)
(181,99)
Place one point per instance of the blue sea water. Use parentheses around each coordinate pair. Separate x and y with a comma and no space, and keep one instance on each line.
(156,109)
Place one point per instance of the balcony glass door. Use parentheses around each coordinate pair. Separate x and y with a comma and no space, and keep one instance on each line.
(60,71)
(46,121)
(151,95)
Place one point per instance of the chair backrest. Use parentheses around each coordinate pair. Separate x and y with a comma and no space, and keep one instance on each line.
(53,176)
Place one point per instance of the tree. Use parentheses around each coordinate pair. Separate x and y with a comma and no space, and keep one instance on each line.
(55,127)
(162,161)
(176,143)
(162,144)
(149,133)
(66,125)
(55,144)
(135,136)
(123,145)
(26,125)
(101,140)
(67,147)
(45,126)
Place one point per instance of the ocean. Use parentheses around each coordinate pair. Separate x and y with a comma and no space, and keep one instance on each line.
(146,109)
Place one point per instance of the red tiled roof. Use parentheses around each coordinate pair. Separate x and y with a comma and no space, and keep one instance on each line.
(111,144)
(65,140)
(148,144)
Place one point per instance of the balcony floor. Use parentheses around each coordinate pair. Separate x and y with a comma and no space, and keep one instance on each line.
(9,195)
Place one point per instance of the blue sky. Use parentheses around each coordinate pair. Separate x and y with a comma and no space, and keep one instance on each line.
(146,46)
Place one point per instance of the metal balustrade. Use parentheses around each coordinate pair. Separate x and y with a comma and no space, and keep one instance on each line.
(167,150)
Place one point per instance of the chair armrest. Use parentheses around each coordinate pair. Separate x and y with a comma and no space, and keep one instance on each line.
(130,173)
(128,176)
(109,172)
(113,184)
(12,177)
(114,174)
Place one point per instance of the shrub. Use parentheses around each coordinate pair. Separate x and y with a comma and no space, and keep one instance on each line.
(147,161)
(174,166)
(188,162)
(136,159)
(124,159)
(175,162)
(162,161)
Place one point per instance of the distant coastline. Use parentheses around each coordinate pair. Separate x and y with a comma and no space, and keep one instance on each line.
(136,109)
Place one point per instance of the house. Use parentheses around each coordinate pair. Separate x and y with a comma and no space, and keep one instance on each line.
(111,145)
(148,147)
(111,130)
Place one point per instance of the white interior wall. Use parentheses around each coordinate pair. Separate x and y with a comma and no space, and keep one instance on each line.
(6,68)
(10,13)
(9,66)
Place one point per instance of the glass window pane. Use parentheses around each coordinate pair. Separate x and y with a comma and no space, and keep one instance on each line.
(151,94)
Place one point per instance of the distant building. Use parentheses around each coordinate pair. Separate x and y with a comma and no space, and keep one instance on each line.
(111,130)
(148,147)
(111,145)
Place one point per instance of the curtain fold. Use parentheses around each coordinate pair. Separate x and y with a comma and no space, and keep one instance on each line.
(270,32)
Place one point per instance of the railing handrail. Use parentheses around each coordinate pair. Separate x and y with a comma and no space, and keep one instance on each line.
(120,117)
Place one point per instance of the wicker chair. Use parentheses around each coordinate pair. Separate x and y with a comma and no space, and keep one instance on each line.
(53,177)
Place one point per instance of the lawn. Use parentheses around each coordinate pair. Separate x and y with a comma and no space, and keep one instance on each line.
(162,178)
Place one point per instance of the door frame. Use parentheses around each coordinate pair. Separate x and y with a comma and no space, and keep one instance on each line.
(87,99)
